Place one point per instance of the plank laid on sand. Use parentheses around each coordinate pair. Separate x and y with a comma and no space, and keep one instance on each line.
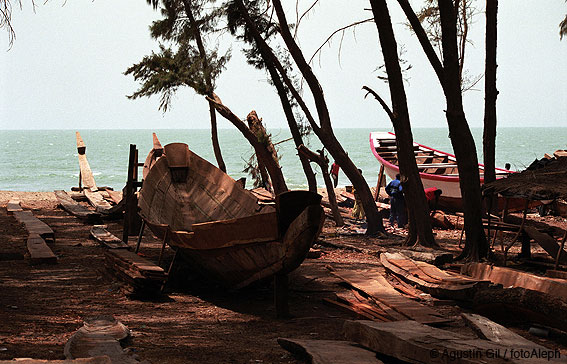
(103,236)
(34,225)
(513,278)
(407,270)
(87,178)
(490,330)
(13,206)
(75,209)
(39,251)
(329,351)
(99,203)
(547,242)
(95,360)
(413,342)
(375,285)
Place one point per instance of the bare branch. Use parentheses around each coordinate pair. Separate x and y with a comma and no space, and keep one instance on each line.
(380,100)
(302,15)
(338,31)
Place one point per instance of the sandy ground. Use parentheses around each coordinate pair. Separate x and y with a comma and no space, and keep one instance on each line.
(42,306)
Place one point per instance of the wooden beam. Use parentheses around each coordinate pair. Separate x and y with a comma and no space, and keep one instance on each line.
(329,351)
(13,206)
(86,175)
(547,242)
(75,209)
(104,237)
(34,225)
(39,252)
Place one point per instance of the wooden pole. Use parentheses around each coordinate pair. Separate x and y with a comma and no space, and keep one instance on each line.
(140,236)
(281,293)
(560,250)
(525,214)
(129,191)
(165,239)
(379,183)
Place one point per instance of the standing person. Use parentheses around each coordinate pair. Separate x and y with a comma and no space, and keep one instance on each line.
(335,173)
(397,202)
(357,210)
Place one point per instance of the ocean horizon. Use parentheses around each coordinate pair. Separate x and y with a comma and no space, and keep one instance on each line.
(46,159)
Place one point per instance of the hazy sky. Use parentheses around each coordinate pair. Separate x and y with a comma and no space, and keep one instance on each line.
(65,69)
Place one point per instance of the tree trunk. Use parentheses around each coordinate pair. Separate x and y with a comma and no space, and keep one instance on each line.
(325,130)
(476,246)
(420,222)
(262,153)
(187,4)
(323,162)
(491,93)
(256,127)
(215,138)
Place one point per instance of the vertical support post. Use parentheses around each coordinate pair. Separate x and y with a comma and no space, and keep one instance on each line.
(140,236)
(128,193)
(165,239)
(379,183)
(281,293)
(560,250)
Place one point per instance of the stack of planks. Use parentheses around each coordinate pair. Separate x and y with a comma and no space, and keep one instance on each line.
(141,274)
(71,206)
(38,233)
(430,279)
(107,239)
(376,299)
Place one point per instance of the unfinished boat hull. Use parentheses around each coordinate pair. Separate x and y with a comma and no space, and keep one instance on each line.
(219,227)
(436,168)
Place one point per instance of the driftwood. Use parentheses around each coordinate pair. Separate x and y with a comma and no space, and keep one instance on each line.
(39,252)
(514,278)
(75,209)
(329,351)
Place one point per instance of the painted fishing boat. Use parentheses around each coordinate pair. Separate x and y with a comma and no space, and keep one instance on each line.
(436,168)
(219,227)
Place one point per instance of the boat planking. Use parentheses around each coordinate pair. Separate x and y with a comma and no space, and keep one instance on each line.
(218,226)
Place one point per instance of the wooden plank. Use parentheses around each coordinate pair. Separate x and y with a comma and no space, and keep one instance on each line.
(99,203)
(75,209)
(103,236)
(551,273)
(115,196)
(375,285)
(40,253)
(137,261)
(34,225)
(329,351)
(513,278)
(490,330)
(13,206)
(413,342)
(87,178)
(547,242)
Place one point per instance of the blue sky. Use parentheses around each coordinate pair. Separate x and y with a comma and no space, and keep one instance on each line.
(65,68)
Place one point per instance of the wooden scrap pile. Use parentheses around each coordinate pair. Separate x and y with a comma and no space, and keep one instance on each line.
(143,275)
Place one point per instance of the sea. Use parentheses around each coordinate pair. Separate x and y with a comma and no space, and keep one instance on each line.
(46,160)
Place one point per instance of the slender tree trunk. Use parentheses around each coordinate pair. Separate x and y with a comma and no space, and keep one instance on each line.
(325,131)
(420,222)
(187,4)
(491,93)
(476,246)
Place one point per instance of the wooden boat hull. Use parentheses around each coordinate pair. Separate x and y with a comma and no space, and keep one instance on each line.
(437,169)
(219,227)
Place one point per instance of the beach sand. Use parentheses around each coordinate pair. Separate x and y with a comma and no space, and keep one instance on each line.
(42,306)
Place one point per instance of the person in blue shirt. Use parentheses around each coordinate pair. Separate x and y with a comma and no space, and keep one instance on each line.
(397,202)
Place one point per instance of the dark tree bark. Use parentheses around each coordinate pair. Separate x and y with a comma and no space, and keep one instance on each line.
(256,127)
(263,154)
(420,222)
(476,246)
(491,93)
(325,131)
(209,83)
